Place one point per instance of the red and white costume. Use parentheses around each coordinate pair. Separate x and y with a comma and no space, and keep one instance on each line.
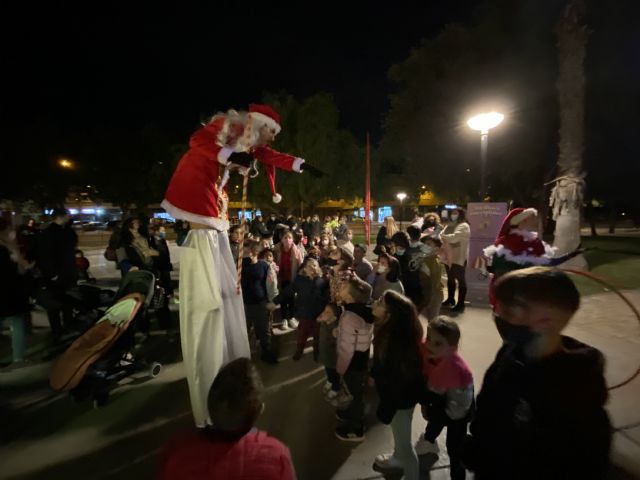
(516,248)
(212,320)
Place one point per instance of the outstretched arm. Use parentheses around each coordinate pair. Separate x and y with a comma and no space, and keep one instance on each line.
(283,161)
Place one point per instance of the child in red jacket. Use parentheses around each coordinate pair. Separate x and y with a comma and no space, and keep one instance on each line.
(232,448)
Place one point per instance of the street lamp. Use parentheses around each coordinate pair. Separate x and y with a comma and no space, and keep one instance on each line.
(483,123)
(401,196)
(64,163)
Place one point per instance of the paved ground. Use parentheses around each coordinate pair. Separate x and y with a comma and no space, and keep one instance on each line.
(47,435)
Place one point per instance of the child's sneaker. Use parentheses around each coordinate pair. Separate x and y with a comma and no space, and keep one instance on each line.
(425,446)
(341,400)
(349,434)
(284,325)
(386,462)
(330,395)
(293,323)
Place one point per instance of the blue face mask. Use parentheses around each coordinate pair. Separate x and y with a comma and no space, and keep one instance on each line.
(517,335)
(399,251)
(162,234)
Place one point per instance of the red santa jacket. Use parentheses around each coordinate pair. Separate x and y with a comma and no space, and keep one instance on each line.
(197,190)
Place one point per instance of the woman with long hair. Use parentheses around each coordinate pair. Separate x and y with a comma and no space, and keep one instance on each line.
(397,372)
(383,240)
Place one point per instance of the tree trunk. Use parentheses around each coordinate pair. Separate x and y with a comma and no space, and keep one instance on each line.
(567,194)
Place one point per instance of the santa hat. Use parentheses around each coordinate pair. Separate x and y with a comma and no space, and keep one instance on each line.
(270,170)
(513,218)
(265,115)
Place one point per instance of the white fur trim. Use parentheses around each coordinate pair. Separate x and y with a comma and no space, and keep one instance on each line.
(297,163)
(277,198)
(265,120)
(526,234)
(493,251)
(219,224)
(516,219)
(224,154)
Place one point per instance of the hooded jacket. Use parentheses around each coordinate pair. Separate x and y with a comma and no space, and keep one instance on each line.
(543,418)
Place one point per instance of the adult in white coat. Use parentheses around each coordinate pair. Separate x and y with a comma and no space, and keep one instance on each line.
(456,235)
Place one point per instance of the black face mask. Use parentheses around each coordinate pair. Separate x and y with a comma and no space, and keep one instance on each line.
(331,262)
(430,223)
(517,335)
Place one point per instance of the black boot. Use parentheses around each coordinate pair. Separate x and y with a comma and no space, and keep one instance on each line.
(459,308)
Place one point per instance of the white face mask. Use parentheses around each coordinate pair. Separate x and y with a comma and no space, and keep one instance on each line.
(400,251)
(382,269)
(454,218)
(12,235)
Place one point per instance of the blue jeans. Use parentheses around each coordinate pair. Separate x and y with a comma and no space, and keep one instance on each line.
(18,340)
(403,450)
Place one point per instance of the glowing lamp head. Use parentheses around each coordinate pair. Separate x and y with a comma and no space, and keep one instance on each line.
(485,121)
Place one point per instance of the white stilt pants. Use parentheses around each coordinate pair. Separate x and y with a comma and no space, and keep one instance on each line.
(213,329)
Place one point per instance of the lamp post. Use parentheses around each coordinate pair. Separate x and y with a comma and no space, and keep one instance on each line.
(401,196)
(483,123)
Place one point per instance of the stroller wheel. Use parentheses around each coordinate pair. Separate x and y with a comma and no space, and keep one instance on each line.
(100,400)
(155,369)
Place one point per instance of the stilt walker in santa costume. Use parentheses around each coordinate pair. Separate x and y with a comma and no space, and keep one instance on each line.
(213,328)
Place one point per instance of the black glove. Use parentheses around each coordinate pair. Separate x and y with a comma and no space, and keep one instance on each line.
(243,159)
(305,167)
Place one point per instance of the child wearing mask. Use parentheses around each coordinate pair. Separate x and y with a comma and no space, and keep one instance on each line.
(412,279)
(288,258)
(541,407)
(256,299)
(234,242)
(355,333)
(328,320)
(311,297)
(449,399)
(431,278)
(385,276)
(266,255)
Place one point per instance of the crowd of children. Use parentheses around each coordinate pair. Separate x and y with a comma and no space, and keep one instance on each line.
(365,322)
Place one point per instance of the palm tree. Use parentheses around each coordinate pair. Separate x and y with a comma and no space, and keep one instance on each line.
(567,194)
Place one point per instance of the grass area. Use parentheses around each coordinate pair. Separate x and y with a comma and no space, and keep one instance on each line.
(614,259)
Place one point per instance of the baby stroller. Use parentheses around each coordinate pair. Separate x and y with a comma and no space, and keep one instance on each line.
(95,362)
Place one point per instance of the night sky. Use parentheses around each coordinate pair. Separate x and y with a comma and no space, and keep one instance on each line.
(117,66)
